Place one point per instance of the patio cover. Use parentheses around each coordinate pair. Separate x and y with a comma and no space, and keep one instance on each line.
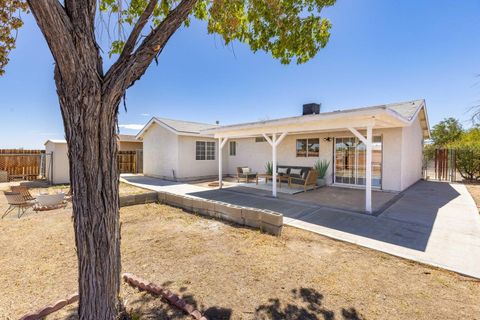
(360,122)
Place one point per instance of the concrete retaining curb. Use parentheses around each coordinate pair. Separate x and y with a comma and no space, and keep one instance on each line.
(268,221)
(142,198)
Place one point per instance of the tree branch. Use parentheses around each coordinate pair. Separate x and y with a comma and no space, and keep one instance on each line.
(124,72)
(82,14)
(137,29)
(57,30)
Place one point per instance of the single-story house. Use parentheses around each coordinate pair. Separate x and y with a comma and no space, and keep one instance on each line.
(382,142)
(59,170)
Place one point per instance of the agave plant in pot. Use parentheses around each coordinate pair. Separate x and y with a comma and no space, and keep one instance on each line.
(321,166)
(269,168)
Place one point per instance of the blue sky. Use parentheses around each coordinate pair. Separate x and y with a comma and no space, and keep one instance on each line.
(380,51)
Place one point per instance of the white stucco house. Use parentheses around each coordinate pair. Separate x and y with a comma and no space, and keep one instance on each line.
(390,137)
(58,171)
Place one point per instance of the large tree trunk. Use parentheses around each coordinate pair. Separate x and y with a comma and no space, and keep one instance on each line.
(90,126)
(89,102)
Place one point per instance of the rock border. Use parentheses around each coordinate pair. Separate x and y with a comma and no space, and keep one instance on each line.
(45,311)
(156,290)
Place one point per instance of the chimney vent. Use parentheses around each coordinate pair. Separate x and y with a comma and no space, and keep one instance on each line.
(311,108)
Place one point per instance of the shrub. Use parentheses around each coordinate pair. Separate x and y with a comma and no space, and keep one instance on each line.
(468,154)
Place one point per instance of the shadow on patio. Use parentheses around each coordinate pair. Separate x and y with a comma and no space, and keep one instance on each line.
(408,222)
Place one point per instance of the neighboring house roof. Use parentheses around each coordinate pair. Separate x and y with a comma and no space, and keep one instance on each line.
(127,138)
(55,141)
(178,127)
(121,138)
(406,112)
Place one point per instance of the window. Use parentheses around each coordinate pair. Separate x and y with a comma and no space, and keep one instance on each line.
(262,139)
(308,147)
(233,148)
(205,150)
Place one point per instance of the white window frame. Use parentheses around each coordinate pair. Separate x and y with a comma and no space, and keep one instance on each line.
(234,149)
(206,154)
(307,155)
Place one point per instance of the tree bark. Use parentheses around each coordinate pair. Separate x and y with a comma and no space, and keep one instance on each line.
(89,104)
(90,126)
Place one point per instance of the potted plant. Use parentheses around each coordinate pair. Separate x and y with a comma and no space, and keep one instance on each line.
(269,168)
(321,167)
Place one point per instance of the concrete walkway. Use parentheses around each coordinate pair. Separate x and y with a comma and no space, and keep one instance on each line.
(432,222)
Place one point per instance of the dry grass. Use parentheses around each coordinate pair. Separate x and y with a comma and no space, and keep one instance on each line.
(36,188)
(230,272)
(474,190)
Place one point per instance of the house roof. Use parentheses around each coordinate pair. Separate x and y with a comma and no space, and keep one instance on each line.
(55,141)
(394,114)
(179,127)
(127,138)
(121,138)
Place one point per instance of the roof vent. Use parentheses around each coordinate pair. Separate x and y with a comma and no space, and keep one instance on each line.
(311,108)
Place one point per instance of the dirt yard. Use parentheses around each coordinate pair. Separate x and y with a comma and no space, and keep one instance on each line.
(229,272)
(35,188)
(474,190)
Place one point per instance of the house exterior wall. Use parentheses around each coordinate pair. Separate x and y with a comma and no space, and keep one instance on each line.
(160,155)
(189,168)
(130,146)
(412,154)
(60,171)
(391,160)
(165,151)
(256,154)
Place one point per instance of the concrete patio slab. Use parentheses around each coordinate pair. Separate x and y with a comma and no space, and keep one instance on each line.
(431,222)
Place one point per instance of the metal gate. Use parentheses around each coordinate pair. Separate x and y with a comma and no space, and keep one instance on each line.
(24,165)
(440,165)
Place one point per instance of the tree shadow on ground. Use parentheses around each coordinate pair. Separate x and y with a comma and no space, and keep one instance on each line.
(308,305)
(304,303)
(146,306)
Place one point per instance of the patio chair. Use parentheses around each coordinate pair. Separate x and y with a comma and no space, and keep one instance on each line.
(27,196)
(16,201)
(244,173)
(308,179)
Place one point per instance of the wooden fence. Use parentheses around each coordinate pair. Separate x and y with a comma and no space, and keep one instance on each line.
(21,164)
(127,161)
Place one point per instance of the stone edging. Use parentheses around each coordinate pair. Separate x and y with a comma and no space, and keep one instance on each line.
(165,293)
(43,312)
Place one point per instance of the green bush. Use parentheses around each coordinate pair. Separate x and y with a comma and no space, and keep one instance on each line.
(467,150)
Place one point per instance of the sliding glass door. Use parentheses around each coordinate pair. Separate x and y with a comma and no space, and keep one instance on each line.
(350,159)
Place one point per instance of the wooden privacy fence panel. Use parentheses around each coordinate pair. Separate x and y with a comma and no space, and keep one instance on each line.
(20,164)
(440,165)
(127,161)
